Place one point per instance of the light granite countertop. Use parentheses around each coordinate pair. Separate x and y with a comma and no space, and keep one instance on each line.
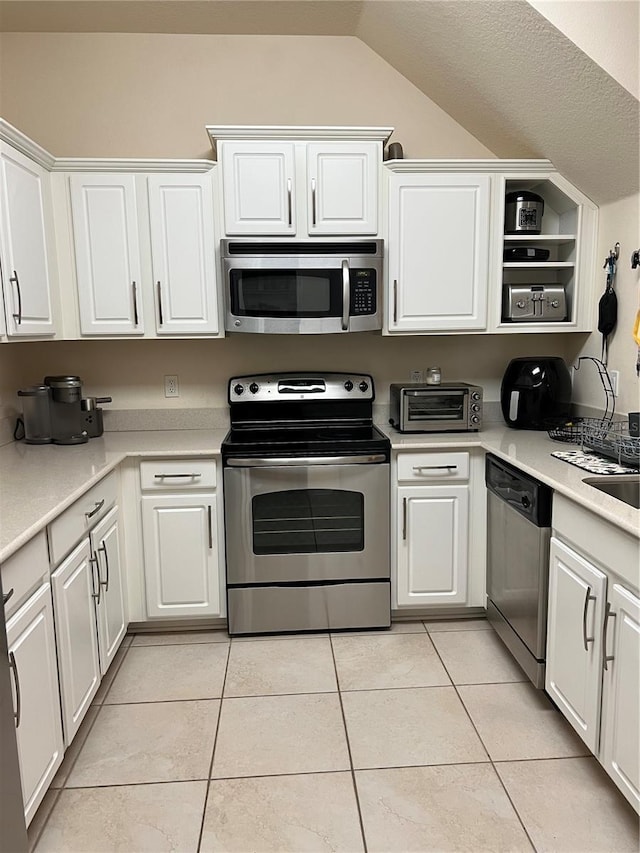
(38,482)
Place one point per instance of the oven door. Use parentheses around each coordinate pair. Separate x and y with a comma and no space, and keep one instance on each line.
(435,411)
(302,295)
(292,523)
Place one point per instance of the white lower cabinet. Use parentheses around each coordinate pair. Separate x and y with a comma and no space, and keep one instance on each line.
(32,657)
(431,530)
(74,588)
(181,555)
(619,747)
(88,597)
(577,597)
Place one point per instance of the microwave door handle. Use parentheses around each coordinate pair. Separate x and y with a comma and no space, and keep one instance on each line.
(345,296)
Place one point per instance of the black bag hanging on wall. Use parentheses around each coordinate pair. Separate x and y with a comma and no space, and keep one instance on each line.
(607,315)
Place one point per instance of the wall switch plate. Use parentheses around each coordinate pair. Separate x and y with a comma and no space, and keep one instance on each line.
(615,381)
(171,387)
(417,375)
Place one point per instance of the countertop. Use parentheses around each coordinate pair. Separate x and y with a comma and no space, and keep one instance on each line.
(39,482)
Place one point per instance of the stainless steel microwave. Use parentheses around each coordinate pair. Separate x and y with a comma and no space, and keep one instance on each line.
(449,407)
(302,287)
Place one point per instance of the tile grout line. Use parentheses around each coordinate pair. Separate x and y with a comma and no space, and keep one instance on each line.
(213,751)
(346,734)
(455,687)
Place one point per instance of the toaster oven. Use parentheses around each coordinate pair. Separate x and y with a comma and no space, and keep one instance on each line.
(449,407)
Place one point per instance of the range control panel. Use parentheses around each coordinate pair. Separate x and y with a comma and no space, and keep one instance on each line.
(288,387)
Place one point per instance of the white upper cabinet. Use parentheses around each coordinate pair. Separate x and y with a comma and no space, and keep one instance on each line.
(29,274)
(259,188)
(300,181)
(107,251)
(342,188)
(183,253)
(438,251)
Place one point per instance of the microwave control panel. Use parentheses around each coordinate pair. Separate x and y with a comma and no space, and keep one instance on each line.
(363,292)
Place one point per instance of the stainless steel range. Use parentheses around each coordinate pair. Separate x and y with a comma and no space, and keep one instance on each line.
(306,479)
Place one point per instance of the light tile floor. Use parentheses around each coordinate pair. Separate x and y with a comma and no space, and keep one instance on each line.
(423,738)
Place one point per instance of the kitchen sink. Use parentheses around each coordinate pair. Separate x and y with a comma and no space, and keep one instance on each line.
(623,487)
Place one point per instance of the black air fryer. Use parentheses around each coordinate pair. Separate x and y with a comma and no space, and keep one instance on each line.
(535,391)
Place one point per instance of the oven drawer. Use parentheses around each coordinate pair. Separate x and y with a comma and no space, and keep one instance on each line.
(177,475)
(269,609)
(413,467)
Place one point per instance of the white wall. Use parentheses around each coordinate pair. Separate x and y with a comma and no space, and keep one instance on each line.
(619,223)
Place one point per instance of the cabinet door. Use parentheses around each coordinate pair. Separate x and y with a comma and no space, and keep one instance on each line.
(105,236)
(183,254)
(438,252)
(32,654)
(27,240)
(259,187)
(577,592)
(432,559)
(110,612)
(74,589)
(619,747)
(342,188)
(180,555)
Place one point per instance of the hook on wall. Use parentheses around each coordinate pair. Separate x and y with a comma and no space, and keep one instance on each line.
(635,259)
(612,257)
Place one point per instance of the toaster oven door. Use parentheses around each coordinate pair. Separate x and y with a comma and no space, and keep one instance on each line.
(435,410)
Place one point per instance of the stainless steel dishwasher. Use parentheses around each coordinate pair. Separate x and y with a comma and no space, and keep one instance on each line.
(519,529)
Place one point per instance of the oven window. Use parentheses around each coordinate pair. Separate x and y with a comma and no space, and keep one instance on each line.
(437,407)
(308,521)
(285,293)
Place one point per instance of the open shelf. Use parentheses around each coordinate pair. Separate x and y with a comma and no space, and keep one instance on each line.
(539,238)
(538,265)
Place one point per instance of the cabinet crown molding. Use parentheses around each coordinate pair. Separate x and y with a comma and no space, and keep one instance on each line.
(130,164)
(542,167)
(12,136)
(218,133)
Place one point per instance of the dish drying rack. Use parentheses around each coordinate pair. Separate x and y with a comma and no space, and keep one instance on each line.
(603,435)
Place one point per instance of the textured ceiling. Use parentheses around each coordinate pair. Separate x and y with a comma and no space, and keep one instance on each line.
(498,67)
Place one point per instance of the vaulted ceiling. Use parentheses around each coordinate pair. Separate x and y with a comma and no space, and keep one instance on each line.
(498,67)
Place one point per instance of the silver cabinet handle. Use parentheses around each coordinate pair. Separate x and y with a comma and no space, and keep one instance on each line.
(7,595)
(134,290)
(404,518)
(345,295)
(586,640)
(607,615)
(179,476)
(210,523)
(97,507)
(298,461)
(17,714)
(160,315)
(395,300)
(93,561)
(289,208)
(313,202)
(103,548)
(15,280)
(419,468)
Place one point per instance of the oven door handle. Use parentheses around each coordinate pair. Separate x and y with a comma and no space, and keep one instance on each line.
(346,293)
(300,461)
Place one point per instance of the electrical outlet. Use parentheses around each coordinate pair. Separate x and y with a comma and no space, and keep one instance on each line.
(417,375)
(171,387)
(615,380)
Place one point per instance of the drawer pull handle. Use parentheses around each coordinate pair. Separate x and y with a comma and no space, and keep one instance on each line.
(404,518)
(97,507)
(17,714)
(181,476)
(103,548)
(419,468)
(210,523)
(586,640)
(607,615)
(7,595)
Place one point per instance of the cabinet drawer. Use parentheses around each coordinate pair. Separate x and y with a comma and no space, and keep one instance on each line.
(178,474)
(421,467)
(69,528)
(24,571)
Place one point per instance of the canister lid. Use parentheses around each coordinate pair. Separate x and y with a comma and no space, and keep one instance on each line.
(63,381)
(523,195)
